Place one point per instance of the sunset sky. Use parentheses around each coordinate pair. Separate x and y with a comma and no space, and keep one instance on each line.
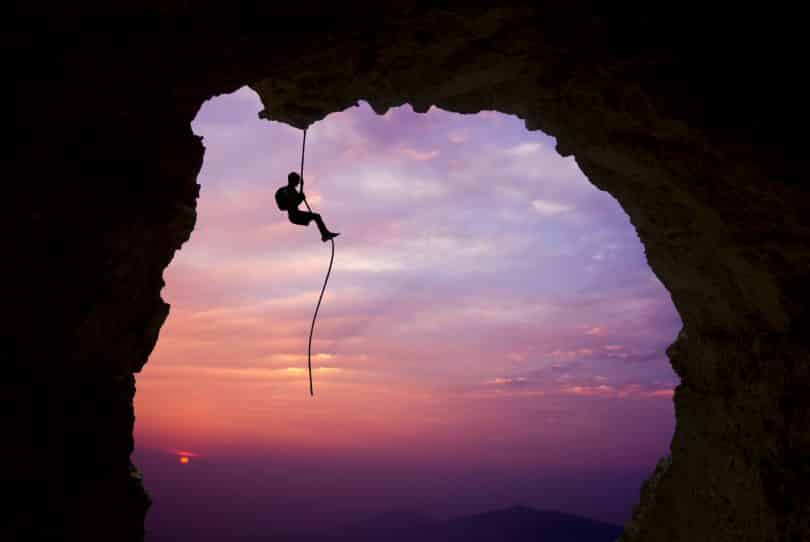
(491,334)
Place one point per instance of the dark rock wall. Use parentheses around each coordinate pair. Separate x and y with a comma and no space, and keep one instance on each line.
(682,117)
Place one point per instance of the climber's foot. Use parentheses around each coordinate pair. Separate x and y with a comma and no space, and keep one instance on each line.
(329,236)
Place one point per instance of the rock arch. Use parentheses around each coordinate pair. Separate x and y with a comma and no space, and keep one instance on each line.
(677,115)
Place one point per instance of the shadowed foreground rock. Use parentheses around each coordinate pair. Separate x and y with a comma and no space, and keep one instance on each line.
(684,118)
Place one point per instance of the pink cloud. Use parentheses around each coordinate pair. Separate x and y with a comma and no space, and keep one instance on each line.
(626,391)
(661,393)
(503,381)
(417,155)
(601,390)
(570,355)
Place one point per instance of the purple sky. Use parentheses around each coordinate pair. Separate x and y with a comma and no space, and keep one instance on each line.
(491,334)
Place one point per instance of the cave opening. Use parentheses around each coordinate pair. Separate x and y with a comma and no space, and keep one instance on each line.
(493,335)
(681,115)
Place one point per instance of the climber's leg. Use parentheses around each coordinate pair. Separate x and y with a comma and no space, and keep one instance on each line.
(300,218)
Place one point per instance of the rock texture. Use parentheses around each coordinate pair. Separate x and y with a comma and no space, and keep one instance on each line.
(683,117)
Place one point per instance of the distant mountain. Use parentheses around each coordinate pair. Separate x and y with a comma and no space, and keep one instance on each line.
(521,524)
(517,524)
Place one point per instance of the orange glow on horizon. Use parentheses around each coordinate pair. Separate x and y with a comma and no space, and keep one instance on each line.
(184,456)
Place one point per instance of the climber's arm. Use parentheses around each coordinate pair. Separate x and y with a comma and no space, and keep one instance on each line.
(299,198)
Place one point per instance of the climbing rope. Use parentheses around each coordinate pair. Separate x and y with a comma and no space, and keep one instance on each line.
(315,316)
(303,152)
(325,280)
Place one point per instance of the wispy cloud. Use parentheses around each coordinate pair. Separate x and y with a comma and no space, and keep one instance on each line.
(504,381)
(417,155)
(524,149)
(627,391)
(550,208)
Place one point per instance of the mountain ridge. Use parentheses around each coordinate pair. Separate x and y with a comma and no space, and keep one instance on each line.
(514,524)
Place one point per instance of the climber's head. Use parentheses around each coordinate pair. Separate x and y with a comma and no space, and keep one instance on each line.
(293,179)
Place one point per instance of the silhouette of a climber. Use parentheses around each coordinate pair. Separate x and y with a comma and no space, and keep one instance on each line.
(288,199)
